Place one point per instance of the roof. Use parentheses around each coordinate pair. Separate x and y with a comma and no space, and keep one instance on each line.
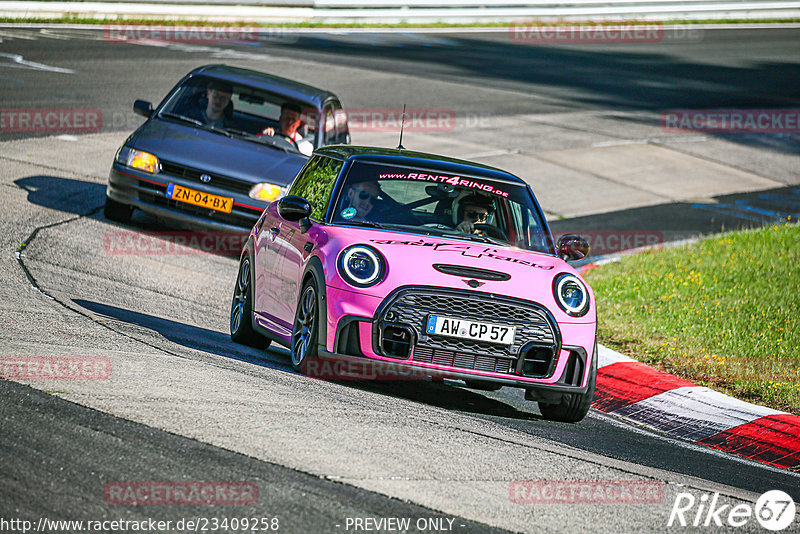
(410,158)
(267,82)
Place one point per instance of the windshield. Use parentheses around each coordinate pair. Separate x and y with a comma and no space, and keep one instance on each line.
(244,111)
(430,202)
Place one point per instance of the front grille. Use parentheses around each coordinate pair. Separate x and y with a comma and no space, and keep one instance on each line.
(462,360)
(412,306)
(217,180)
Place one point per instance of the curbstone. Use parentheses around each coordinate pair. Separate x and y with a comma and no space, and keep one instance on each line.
(640,394)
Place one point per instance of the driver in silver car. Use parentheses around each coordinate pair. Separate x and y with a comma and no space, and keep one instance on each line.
(290,120)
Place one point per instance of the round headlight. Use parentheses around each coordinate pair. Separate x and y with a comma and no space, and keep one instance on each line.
(361,265)
(571,294)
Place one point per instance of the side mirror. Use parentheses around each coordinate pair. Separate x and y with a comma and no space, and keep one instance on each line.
(294,209)
(572,247)
(143,108)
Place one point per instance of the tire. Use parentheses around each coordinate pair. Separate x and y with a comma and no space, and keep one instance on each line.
(573,406)
(305,331)
(117,211)
(242,310)
(483,386)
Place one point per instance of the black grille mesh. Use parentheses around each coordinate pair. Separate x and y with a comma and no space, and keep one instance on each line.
(413,306)
(222,182)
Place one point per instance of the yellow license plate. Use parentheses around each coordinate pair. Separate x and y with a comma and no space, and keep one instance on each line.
(198,198)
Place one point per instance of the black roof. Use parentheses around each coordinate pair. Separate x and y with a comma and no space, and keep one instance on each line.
(423,160)
(267,82)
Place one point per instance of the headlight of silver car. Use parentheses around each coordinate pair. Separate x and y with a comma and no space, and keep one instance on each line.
(267,192)
(361,265)
(571,295)
(138,159)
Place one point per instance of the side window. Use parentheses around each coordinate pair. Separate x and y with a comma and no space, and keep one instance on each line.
(336,131)
(315,183)
(330,127)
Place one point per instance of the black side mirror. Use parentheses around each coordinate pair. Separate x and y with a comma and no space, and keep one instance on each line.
(572,247)
(293,209)
(143,108)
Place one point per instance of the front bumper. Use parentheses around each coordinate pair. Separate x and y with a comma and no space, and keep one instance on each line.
(147,192)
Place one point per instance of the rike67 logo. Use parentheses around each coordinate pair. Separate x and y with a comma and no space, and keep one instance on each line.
(774,510)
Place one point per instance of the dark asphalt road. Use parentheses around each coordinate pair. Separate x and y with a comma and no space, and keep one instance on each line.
(58,456)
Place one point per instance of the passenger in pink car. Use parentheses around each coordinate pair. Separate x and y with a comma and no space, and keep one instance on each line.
(363,197)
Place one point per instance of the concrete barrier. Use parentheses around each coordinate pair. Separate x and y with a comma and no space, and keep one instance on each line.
(397,11)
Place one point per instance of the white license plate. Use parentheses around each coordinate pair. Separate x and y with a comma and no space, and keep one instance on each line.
(462,328)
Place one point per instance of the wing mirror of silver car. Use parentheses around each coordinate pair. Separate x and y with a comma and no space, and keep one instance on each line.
(572,247)
(296,209)
(143,108)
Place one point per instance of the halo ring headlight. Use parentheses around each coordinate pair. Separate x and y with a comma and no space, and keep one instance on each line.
(571,294)
(361,265)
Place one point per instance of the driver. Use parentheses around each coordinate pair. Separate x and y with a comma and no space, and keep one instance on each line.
(289,123)
(473,209)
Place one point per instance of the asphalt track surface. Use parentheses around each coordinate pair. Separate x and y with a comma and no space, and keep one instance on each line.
(58,457)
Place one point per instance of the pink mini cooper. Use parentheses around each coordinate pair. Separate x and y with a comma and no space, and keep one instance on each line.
(391,263)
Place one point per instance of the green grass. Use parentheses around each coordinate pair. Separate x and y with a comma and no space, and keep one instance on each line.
(160,22)
(723,312)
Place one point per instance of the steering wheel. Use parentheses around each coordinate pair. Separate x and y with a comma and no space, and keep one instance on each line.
(288,138)
(491,231)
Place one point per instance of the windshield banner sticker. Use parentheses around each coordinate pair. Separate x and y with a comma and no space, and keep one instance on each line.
(471,251)
(452,180)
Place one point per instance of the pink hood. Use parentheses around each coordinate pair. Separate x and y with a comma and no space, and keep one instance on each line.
(410,259)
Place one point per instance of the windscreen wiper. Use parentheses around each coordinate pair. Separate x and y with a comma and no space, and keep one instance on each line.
(371,224)
(199,124)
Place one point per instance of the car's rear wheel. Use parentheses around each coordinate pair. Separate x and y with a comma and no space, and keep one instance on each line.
(573,406)
(306,329)
(242,310)
(117,211)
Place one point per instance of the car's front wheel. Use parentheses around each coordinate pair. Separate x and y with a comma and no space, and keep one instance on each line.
(242,310)
(117,211)
(306,329)
(573,406)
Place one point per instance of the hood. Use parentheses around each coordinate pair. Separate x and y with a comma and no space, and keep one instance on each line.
(217,154)
(410,260)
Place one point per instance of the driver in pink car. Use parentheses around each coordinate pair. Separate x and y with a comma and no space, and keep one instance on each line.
(474,209)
